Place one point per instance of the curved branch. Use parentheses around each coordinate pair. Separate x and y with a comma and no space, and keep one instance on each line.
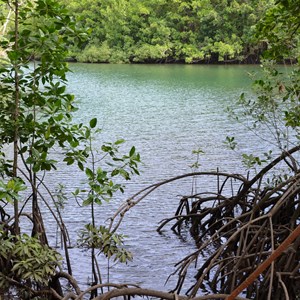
(130,202)
(266,169)
(71,280)
(157,294)
(102,285)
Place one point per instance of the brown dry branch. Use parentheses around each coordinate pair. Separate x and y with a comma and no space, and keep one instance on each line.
(103,285)
(283,246)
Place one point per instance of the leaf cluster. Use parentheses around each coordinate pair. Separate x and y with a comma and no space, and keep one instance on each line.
(101,239)
(24,258)
(280,28)
(271,112)
(104,167)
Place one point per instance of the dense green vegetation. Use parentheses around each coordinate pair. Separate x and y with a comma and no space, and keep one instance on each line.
(36,121)
(161,31)
(187,31)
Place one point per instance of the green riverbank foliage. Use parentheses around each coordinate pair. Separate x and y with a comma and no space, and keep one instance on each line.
(165,31)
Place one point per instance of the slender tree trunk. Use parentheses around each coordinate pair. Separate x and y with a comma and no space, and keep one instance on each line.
(94,269)
(16,116)
(93,254)
(38,224)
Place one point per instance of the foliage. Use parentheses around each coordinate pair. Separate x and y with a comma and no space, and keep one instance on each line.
(148,53)
(94,53)
(36,114)
(30,260)
(11,189)
(274,108)
(99,183)
(100,186)
(104,242)
(281,30)
(167,31)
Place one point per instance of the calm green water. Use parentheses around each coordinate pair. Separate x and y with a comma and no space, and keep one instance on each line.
(166,111)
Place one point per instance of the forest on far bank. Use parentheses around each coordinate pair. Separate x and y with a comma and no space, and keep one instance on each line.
(170,31)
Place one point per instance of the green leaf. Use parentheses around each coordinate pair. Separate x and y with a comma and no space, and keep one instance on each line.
(118,142)
(80,165)
(89,173)
(87,201)
(93,123)
(132,151)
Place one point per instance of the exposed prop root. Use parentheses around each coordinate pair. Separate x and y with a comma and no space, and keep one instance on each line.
(237,227)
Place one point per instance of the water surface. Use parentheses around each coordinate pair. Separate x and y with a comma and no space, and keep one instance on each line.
(166,111)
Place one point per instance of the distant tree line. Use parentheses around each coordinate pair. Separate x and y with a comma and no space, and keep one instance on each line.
(166,31)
